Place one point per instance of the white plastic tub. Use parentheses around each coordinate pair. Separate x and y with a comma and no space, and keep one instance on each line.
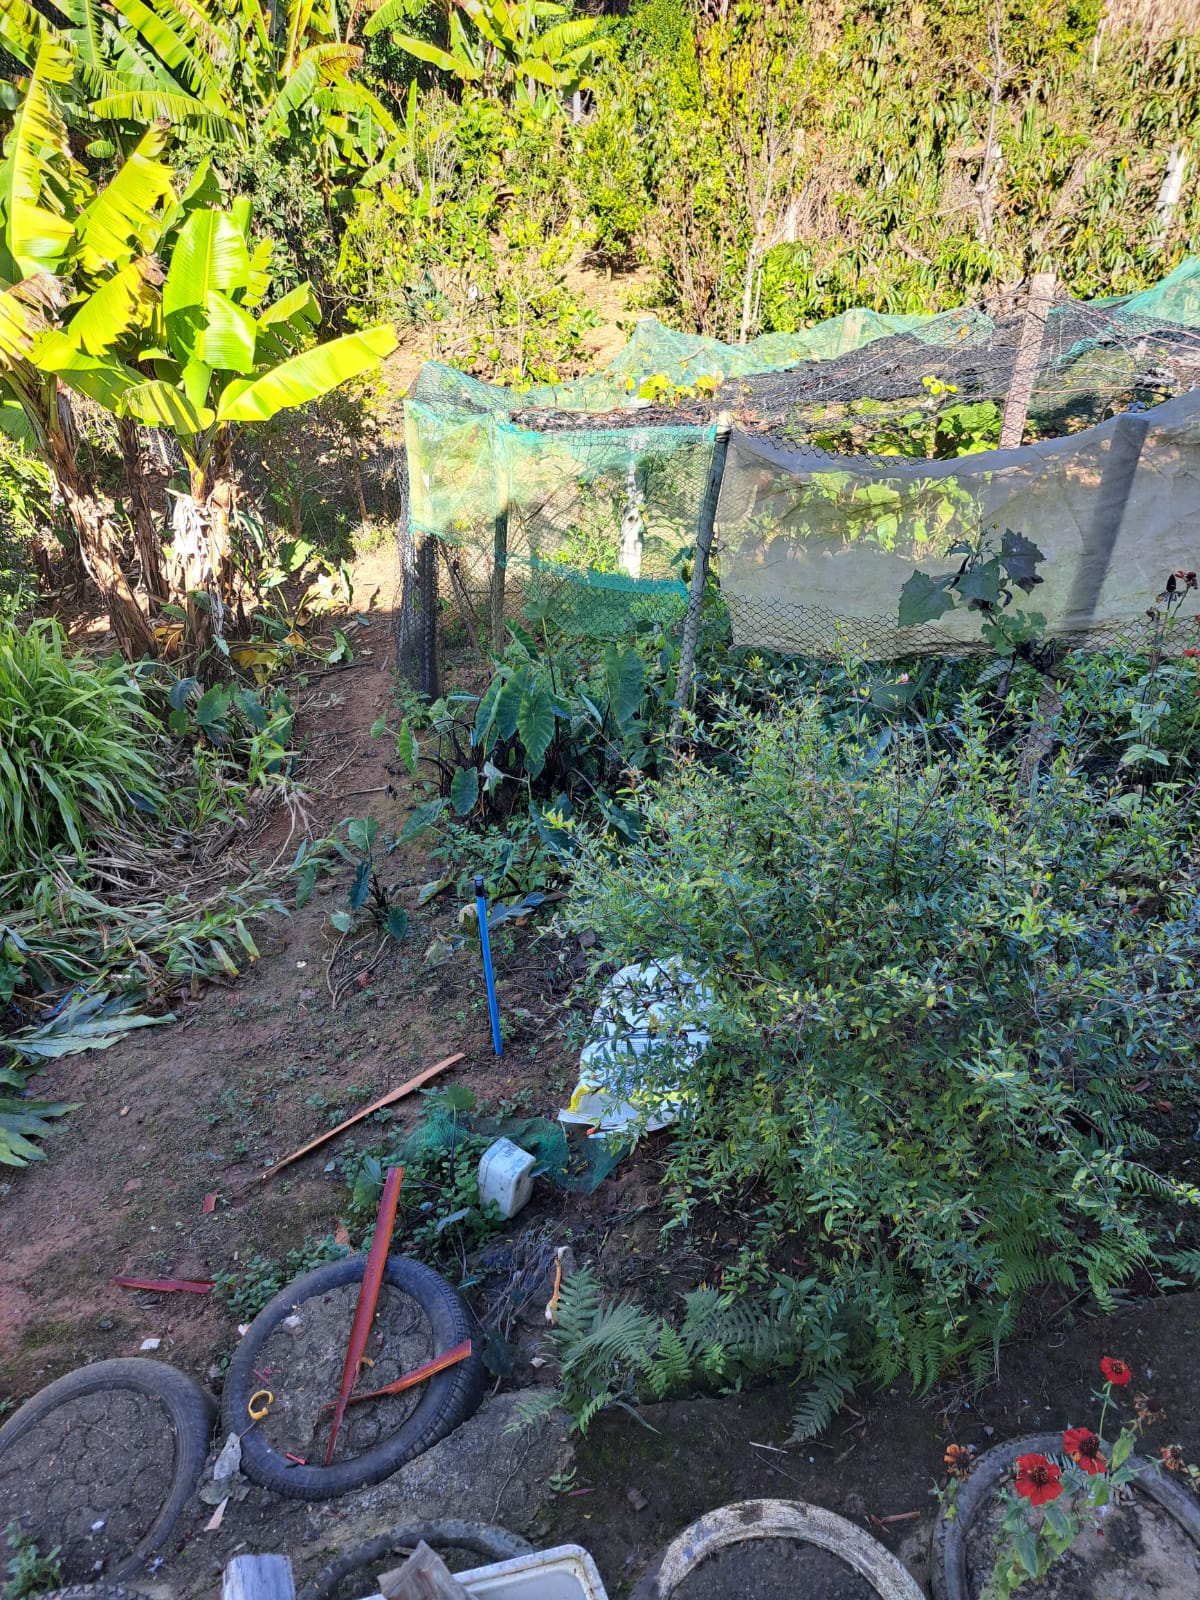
(565,1573)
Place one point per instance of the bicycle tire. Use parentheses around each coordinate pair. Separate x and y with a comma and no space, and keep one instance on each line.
(447,1399)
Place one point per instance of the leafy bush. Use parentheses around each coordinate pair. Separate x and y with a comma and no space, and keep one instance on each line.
(74,744)
(935,992)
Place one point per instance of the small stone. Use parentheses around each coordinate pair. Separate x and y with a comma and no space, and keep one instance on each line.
(132,1185)
(300,965)
(637,1500)
(151,1344)
(96,1526)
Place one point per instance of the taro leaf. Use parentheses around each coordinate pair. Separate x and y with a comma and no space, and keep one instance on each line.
(1020,558)
(306,882)
(252,709)
(508,704)
(368,1184)
(341,649)
(624,677)
(925,599)
(362,833)
(378,726)
(361,887)
(486,709)
(626,823)
(464,790)
(524,907)
(535,724)
(397,922)
(342,921)
(212,710)
(420,818)
(430,891)
(457,1097)
(499,1355)
(180,689)
(406,747)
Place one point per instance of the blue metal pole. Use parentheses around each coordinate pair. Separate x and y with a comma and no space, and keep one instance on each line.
(489,975)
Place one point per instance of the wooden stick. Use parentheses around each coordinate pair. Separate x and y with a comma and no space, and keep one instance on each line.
(378,1105)
(368,1298)
(418,1374)
(1029,350)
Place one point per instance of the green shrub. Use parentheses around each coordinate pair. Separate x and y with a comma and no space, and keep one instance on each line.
(934,994)
(73,744)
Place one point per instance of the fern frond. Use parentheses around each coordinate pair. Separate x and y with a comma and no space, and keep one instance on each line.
(827,1392)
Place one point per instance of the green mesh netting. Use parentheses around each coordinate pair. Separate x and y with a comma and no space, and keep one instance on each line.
(592,518)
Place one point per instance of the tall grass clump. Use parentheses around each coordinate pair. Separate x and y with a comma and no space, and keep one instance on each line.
(75,737)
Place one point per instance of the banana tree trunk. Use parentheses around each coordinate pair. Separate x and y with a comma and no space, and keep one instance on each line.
(139,483)
(101,552)
(201,557)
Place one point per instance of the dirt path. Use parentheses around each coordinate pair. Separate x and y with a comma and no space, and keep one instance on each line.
(248,1072)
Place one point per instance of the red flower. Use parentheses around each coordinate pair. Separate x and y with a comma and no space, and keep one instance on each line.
(1083,1447)
(1115,1372)
(1192,653)
(1038,1479)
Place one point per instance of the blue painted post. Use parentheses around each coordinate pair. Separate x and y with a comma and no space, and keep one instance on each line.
(489,975)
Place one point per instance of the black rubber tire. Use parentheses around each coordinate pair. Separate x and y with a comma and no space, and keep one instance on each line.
(948,1553)
(447,1398)
(493,1544)
(192,1413)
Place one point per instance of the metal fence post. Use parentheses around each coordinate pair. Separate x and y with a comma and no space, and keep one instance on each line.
(499,563)
(427,588)
(704,539)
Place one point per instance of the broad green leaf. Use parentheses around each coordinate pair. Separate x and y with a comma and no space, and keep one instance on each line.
(126,218)
(397,922)
(925,599)
(342,921)
(508,704)
(361,887)
(210,254)
(406,747)
(464,790)
(624,678)
(38,172)
(104,380)
(121,303)
(161,405)
(535,724)
(305,377)
(420,818)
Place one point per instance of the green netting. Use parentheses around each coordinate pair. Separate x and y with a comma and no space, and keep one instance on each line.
(682,359)
(591,517)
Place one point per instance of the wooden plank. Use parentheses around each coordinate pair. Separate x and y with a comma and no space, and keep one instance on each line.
(258,1578)
(377,1105)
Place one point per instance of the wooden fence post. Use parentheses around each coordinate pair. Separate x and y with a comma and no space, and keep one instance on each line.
(704,539)
(1029,350)
(499,563)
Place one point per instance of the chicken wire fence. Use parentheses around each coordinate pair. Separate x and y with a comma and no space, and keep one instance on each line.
(850,456)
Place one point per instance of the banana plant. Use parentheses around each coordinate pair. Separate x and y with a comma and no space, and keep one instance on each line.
(245,72)
(60,238)
(197,359)
(503,47)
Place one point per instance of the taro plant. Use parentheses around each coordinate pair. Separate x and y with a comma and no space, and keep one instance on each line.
(551,737)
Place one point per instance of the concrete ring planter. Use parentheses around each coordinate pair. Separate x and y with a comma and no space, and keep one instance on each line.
(949,1554)
(777,1519)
